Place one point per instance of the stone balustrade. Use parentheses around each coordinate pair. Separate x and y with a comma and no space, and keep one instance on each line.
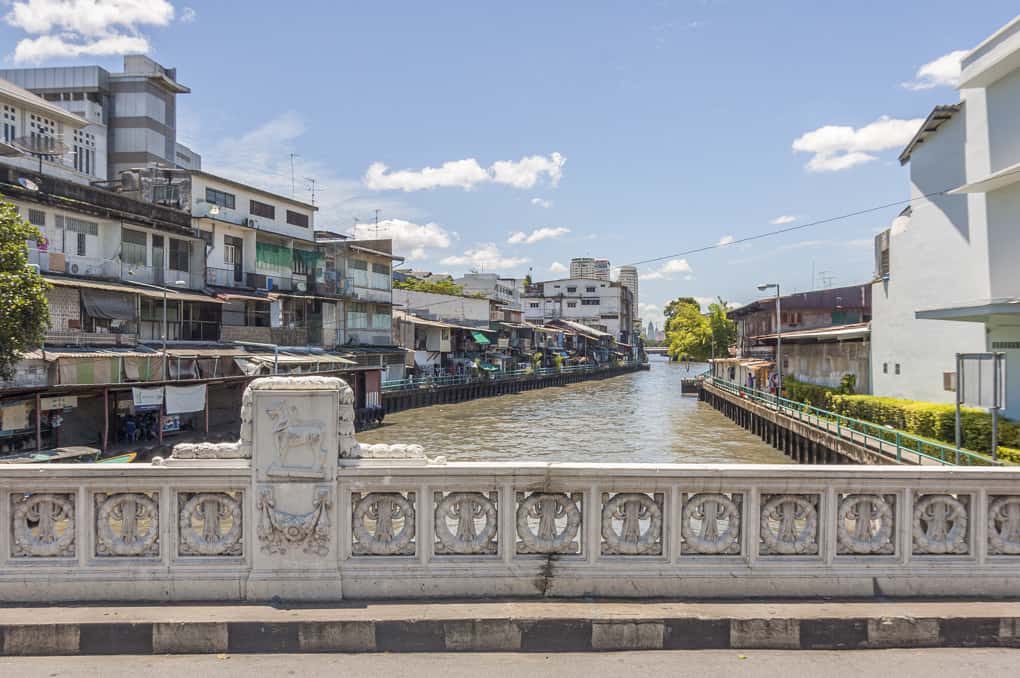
(297,509)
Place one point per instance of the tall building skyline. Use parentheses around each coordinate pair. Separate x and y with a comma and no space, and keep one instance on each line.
(628,277)
(590,267)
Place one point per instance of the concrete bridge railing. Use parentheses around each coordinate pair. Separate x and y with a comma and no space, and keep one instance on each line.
(296,509)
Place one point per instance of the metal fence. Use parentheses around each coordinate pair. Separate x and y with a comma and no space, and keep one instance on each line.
(508,375)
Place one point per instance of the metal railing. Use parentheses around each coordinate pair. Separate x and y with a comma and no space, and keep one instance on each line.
(508,375)
(904,447)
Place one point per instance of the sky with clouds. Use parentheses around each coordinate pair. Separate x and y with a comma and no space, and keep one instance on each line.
(513,137)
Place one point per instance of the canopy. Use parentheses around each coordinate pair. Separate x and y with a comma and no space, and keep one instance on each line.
(108,305)
(479,337)
(488,367)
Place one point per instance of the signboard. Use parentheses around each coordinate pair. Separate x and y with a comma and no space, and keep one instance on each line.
(58,403)
(171,423)
(147,398)
(982,380)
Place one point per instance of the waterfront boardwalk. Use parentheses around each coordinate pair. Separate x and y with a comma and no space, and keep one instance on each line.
(813,436)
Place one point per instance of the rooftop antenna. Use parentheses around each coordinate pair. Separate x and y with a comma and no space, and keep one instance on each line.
(826,278)
(312,182)
(41,146)
(377,224)
(292,189)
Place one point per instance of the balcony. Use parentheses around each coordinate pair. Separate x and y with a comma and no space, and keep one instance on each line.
(224,277)
(368,294)
(280,283)
(77,338)
(154,275)
(180,330)
(332,286)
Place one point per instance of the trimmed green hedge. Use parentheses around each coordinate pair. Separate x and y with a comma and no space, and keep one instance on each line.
(932,420)
(802,392)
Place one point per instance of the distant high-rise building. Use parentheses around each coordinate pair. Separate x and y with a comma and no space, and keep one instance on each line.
(629,278)
(650,333)
(582,267)
(602,269)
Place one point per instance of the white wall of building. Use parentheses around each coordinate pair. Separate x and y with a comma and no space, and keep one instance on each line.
(443,306)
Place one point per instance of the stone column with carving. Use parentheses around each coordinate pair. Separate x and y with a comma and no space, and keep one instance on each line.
(295,442)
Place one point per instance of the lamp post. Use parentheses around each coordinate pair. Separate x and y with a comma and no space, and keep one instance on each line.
(177,283)
(779,337)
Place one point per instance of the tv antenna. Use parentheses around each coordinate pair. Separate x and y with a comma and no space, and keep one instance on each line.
(292,190)
(377,224)
(826,278)
(312,182)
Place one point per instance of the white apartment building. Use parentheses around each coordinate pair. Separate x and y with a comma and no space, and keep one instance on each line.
(507,291)
(948,279)
(30,121)
(599,304)
(588,267)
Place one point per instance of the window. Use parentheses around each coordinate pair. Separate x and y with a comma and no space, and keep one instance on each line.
(10,123)
(133,247)
(359,273)
(297,219)
(571,304)
(381,321)
(897,368)
(81,245)
(571,290)
(85,152)
(221,198)
(261,209)
(589,290)
(380,279)
(589,302)
(37,218)
(180,255)
(885,368)
(997,345)
(229,255)
(533,304)
(357,316)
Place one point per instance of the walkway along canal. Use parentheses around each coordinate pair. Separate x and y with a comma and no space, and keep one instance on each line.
(634,417)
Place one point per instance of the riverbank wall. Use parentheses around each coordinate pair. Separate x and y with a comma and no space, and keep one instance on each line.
(425,395)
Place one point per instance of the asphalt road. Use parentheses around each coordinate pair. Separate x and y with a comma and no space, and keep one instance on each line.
(943,663)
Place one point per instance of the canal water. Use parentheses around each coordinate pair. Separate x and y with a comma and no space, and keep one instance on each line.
(638,417)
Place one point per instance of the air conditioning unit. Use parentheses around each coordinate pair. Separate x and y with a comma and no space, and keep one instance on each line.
(251,223)
(74,268)
(301,286)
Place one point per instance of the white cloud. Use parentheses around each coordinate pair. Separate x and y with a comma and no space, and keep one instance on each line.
(467,173)
(667,270)
(648,311)
(73,28)
(188,15)
(557,267)
(839,147)
(409,239)
(944,71)
(541,202)
(485,257)
(725,240)
(784,219)
(537,235)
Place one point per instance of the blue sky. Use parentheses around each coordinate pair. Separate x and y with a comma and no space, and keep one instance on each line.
(625,130)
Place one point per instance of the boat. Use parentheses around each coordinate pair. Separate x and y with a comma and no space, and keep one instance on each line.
(119,459)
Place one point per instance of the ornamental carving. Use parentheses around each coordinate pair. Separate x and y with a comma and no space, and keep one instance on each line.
(865,524)
(466,523)
(632,524)
(127,524)
(44,525)
(279,531)
(710,524)
(1004,526)
(383,524)
(548,522)
(789,524)
(210,524)
(940,525)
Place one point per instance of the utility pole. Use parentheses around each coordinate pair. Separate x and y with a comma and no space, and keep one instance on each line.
(377,224)
(312,182)
(292,189)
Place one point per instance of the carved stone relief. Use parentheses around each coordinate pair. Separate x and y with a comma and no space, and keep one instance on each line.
(940,524)
(210,524)
(127,524)
(383,524)
(279,531)
(466,523)
(789,524)
(1004,526)
(864,524)
(711,524)
(548,522)
(43,525)
(632,524)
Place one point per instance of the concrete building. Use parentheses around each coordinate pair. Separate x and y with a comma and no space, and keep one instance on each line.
(138,107)
(31,121)
(587,267)
(946,273)
(507,291)
(628,277)
(600,304)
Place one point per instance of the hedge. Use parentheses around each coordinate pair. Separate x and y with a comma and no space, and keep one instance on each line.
(932,420)
(802,392)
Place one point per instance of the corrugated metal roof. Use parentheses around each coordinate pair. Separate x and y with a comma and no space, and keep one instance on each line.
(171,294)
(935,119)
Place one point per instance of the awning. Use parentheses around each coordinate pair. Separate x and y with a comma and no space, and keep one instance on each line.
(487,367)
(171,293)
(479,337)
(238,296)
(290,360)
(108,305)
(205,352)
(517,326)
(426,323)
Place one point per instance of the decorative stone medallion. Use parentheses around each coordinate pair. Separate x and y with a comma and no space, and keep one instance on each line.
(43,525)
(864,524)
(466,523)
(632,524)
(710,524)
(940,524)
(210,524)
(548,522)
(280,531)
(127,524)
(383,524)
(1004,526)
(789,524)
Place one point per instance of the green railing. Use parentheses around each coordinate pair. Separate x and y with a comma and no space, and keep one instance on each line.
(509,375)
(905,447)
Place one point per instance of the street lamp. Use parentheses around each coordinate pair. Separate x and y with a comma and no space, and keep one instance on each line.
(177,283)
(779,337)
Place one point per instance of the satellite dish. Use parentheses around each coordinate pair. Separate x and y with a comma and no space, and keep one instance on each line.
(214,210)
(28,183)
(41,145)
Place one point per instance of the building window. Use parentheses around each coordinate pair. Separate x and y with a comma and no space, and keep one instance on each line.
(571,304)
(589,290)
(37,218)
(81,245)
(885,368)
(381,320)
(261,209)
(897,368)
(357,316)
(380,277)
(570,290)
(533,304)
(221,198)
(10,123)
(133,247)
(85,152)
(229,255)
(297,219)
(359,273)
(589,302)
(180,255)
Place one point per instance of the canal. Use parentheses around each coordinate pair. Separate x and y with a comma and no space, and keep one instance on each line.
(638,417)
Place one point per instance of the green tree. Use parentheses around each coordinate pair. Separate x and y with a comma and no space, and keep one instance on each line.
(435,287)
(688,332)
(723,331)
(24,311)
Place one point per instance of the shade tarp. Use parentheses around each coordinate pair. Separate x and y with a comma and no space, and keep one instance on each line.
(184,399)
(147,368)
(108,305)
(147,398)
(273,256)
(105,370)
(479,337)
(487,367)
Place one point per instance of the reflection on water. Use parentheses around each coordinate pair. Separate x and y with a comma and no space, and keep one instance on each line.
(639,417)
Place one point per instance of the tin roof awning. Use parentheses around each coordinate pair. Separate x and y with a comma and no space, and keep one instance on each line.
(185,352)
(835,332)
(241,296)
(171,293)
